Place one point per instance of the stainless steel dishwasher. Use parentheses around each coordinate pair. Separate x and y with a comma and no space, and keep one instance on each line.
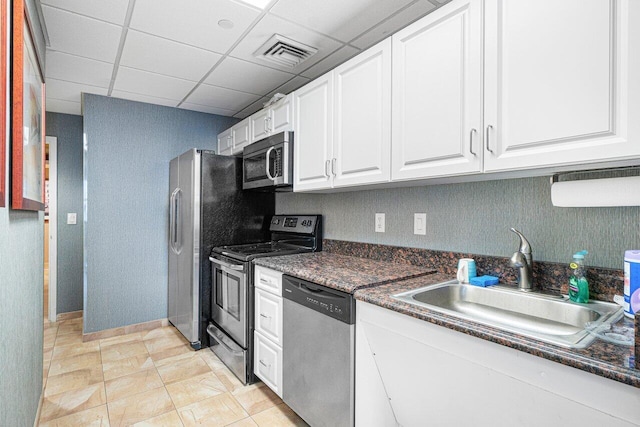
(318,354)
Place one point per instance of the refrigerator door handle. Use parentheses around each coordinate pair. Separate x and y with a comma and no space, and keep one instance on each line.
(172,221)
(178,231)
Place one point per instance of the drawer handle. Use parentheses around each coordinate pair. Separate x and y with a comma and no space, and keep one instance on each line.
(264,364)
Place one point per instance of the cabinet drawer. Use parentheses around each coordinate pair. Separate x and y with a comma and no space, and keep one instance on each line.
(268,280)
(267,363)
(268,316)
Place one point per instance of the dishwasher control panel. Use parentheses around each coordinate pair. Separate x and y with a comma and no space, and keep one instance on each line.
(336,304)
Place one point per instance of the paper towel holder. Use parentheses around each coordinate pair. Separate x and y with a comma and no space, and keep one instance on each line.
(596,192)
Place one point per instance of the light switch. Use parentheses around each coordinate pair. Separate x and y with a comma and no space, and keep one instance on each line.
(420,223)
(379,223)
(72,218)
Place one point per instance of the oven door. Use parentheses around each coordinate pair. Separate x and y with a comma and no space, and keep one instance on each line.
(229,298)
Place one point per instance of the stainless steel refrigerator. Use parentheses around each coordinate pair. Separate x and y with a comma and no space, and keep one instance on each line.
(207,208)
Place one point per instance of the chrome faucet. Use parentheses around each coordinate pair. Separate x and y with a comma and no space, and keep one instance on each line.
(523,260)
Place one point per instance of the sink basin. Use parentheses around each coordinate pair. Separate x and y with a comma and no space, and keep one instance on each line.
(552,319)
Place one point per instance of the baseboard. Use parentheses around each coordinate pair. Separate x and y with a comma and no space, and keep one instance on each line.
(68,316)
(36,421)
(124,330)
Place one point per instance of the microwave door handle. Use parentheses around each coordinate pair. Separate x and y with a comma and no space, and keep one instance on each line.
(266,159)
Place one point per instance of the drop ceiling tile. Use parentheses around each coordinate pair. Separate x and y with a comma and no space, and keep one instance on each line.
(331,62)
(205,109)
(151,84)
(63,66)
(194,22)
(68,91)
(167,57)
(61,106)
(256,106)
(393,24)
(271,25)
(341,19)
(111,11)
(143,98)
(290,86)
(213,96)
(89,38)
(246,76)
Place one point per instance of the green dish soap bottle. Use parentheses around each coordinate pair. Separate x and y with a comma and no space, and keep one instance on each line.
(578,285)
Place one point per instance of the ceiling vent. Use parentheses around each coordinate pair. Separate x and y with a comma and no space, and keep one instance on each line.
(284,52)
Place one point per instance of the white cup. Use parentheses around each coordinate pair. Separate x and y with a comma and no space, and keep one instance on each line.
(466,270)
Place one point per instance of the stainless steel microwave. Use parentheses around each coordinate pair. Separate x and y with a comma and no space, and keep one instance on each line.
(268,164)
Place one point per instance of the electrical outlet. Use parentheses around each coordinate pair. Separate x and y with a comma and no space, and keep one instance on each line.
(379,223)
(420,223)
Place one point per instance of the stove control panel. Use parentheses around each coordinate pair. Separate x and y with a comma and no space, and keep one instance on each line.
(294,223)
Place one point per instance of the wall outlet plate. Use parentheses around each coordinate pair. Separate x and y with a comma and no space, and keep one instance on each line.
(420,224)
(379,227)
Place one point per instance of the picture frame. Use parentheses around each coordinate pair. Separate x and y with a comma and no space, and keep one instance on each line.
(28,101)
(3,99)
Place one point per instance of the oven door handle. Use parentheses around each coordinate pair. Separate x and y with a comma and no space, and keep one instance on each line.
(266,159)
(212,333)
(230,266)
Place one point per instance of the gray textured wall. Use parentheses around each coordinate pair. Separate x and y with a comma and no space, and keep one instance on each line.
(21,310)
(68,129)
(129,146)
(476,217)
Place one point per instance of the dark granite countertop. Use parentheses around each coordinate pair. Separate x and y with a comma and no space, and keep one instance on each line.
(341,272)
(600,358)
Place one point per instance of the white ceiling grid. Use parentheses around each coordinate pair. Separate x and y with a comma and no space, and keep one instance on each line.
(174,53)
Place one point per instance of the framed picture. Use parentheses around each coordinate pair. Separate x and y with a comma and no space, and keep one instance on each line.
(3,99)
(27,170)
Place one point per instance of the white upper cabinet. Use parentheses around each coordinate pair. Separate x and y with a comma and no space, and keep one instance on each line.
(362,118)
(343,124)
(241,135)
(277,117)
(313,134)
(225,142)
(437,94)
(561,83)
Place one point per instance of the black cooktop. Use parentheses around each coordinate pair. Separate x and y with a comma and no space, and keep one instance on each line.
(291,234)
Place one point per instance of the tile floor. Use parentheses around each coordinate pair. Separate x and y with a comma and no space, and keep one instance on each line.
(150,378)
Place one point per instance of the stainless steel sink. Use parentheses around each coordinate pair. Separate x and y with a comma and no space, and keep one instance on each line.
(552,319)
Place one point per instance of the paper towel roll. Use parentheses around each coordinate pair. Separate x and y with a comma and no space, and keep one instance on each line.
(597,192)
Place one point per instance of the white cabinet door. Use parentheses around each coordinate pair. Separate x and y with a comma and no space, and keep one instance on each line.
(313,134)
(225,142)
(281,115)
(241,135)
(267,363)
(437,94)
(559,82)
(362,124)
(268,280)
(268,316)
(259,125)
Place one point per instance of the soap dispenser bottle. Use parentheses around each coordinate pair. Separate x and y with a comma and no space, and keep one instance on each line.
(578,285)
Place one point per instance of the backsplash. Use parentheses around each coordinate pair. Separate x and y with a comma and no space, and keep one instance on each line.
(604,283)
(475,217)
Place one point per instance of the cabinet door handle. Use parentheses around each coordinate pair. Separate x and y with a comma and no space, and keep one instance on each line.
(264,364)
(326,168)
(333,166)
(265,316)
(489,145)
(471,141)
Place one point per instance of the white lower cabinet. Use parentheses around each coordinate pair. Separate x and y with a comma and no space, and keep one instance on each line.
(267,336)
(412,373)
(268,362)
